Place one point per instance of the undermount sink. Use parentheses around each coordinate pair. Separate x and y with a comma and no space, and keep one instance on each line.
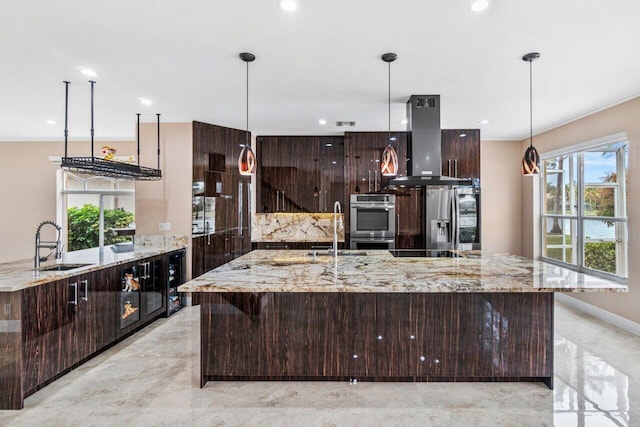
(63,267)
(340,253)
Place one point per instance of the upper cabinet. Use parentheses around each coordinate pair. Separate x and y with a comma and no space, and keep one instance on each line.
(363,152)
(299,173)
(460,149)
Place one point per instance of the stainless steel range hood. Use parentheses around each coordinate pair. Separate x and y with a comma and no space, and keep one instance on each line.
(424,167)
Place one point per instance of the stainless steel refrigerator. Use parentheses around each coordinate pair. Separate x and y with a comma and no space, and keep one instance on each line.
(452,217)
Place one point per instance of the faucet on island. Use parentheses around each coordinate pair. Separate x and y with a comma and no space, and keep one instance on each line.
(337,209)
(49,245)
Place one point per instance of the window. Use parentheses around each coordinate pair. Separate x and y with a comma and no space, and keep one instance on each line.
(584,207)
(89,207)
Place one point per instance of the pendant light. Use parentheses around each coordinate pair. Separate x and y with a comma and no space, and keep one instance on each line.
(247,160)
(531,159)
(389,163)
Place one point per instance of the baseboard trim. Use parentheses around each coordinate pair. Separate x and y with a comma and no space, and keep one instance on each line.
(598,313)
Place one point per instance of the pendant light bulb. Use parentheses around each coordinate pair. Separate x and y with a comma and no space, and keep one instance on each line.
(531,158)
(389,161)
(247,160)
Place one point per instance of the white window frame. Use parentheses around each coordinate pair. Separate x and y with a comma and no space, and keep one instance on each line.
(579,217)
(62,192)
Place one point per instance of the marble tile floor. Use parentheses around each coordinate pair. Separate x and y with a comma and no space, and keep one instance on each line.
(151,379)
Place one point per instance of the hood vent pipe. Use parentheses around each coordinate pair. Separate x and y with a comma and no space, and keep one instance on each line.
(103,167)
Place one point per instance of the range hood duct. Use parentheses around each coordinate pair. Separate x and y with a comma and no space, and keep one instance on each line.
(424,167)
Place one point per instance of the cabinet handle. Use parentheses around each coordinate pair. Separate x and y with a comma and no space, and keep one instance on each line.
(75,293)
(325,200)
(449,167)
(86,290)
(369,180)
(455,167)
(283,210)
(209,239)
(277,201)
(397,225)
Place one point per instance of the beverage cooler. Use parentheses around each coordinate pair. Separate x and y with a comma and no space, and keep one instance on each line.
(175,277)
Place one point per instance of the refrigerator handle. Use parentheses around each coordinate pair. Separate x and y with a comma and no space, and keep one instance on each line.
(455,212)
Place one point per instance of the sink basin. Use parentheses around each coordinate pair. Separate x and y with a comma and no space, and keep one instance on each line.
(63,267)
(290,260)
(340,253)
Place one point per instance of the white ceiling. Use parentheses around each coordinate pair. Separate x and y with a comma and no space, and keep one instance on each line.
(323,61)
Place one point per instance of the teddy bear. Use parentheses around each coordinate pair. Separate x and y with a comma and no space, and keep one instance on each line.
(108,152)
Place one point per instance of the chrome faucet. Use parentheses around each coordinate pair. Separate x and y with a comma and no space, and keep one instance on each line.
(57,245)
(337,209)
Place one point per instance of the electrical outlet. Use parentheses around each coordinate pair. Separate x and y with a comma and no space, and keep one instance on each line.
(164,226)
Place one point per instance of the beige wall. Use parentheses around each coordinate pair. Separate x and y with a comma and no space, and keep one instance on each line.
(167,200)
(28,190)
(500,204)
(624,117)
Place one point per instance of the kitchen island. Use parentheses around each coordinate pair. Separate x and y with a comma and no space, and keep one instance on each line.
(287,315)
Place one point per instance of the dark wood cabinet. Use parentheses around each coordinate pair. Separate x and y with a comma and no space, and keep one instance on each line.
(96,312)
(49,313)
(384,336)
(410,223)
(63,323)
(197,255)
(299,173)
(362,153)
(460,150)
(270,335)
(222,210)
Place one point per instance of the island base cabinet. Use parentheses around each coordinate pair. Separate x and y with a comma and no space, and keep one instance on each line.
(450,336)
(286,335)
(377,337)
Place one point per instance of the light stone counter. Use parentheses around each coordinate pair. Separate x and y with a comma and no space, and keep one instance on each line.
(378,271)
(18,275)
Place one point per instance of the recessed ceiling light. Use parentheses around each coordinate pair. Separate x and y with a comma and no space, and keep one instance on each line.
(88,72)
(479,5)
(288,5)
(50,122)
(404,121)
(483,122)
(322,122)
(145,101)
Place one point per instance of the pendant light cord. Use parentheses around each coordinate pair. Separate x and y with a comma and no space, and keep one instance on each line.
(389,103)
(531,103)
(247,134)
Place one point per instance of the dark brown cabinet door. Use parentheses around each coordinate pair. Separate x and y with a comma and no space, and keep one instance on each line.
(197,255)
(460,150)
(49,313)
(410,232)
(299,174)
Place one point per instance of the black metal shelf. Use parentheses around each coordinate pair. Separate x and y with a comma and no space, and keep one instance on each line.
(101,167)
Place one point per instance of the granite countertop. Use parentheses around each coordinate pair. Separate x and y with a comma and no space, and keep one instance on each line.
(379,271)
(18,275)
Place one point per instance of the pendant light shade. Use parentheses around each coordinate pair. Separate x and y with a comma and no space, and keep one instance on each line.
(531,158)
(389,161)
(247,160)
